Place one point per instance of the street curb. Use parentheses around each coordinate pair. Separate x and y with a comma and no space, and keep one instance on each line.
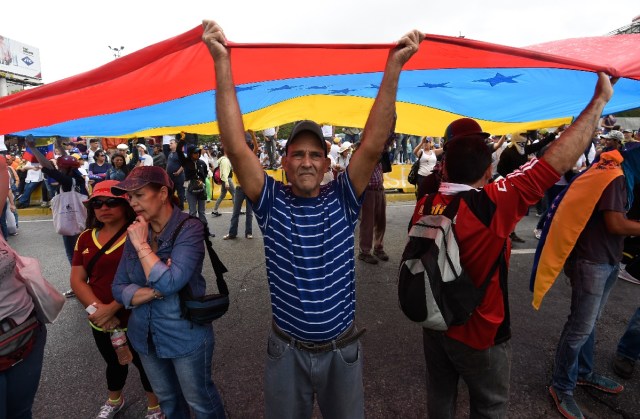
(226,203)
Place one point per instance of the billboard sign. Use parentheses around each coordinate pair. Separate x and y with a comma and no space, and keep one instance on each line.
(19,61)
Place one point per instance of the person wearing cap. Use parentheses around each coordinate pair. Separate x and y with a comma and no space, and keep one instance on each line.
(341,163)
(334,152)
(195,172)
(628,136)
(68,176)
(107,218)
(158,261)
(479,350)
(309,240)
(176,172)
(144,159)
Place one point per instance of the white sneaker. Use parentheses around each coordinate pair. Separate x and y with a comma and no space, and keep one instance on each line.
(108,410)
(623,274)
(537,232)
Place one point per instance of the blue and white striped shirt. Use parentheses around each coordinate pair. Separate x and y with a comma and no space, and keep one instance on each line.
(309,247)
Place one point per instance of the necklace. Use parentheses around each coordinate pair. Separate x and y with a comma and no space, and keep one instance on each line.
(157,233)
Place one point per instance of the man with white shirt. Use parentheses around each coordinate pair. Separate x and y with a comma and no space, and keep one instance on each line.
(270,137)
(33,179)
(144,158)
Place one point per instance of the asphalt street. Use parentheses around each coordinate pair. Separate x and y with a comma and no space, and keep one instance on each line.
(73,383)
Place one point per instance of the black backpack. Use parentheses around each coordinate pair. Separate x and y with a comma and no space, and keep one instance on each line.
(433,287)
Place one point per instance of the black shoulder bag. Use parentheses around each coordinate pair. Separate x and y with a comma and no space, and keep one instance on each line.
(203,310)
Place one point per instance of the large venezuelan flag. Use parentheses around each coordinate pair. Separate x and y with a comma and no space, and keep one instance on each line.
(170,87)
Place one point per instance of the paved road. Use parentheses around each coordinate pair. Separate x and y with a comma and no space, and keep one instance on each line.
(73,384)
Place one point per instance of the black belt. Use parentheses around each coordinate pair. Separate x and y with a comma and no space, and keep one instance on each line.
(345,339)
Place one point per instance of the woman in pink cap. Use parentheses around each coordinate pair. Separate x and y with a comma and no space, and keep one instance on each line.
(92,272)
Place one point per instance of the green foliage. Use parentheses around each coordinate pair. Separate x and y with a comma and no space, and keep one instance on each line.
(633,113)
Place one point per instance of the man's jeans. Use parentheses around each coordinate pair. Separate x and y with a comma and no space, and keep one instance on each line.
(183,382)
(486,373)
(197,205)
(28,189)
(69,245)
(292,376)
(591,284)
(238,197)
(223,193)
(270,147)
(629,345)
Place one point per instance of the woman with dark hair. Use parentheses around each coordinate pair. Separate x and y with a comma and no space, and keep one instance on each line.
(98,169)
(163,254)
(195,172)
(119,167)
(92,275)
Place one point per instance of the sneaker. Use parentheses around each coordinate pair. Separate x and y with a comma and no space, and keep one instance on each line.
(381,254)
(44,204)
(514,238)
(623,274)
(566,404)
(601,383)
(537,233)
(69,293)
(109,410)
(248,236)
(155,413)
(368,258)
(216,214)
(623,366)
(229,237)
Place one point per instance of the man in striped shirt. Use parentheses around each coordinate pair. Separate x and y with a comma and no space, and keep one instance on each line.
(313,349)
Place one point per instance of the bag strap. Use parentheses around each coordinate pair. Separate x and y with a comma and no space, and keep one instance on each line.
(104,248)
(218,266)
(450,212)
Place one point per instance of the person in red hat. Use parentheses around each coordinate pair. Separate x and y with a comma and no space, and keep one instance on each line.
(479,350)
(68,177)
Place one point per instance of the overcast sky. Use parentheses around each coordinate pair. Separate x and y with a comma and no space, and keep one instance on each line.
(73,36)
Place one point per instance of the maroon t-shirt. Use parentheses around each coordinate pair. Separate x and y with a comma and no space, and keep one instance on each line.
(104,269)
(595,243)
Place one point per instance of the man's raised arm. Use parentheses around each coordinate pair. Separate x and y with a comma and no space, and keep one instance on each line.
(563,153)
(380,121)
(245,164)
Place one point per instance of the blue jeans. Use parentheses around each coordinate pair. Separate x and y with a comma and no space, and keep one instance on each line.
(183,382)
(178,185)
(197,205)
(591,284)
(629,345)
(19,384)
(26,195)
(69,244)
(223,193)
(238,197)
(486,373)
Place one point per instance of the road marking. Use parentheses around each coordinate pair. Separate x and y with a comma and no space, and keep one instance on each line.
(20,221)
(522,251)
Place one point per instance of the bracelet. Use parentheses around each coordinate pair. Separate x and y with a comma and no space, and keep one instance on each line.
(144,248)
(142,257)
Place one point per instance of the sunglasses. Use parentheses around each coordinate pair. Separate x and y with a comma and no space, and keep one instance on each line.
(110,203)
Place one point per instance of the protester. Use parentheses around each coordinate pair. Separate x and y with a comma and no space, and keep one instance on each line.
(98,170)
(195,172)
(159,158)
(239,197)
(120,168)
(144,158)
(295,220)
(270,137)
(176,353)
(226,177)
(67,176)
(176,172)
(107,218)
(428,157)
(479,350)
(628,350)
(18,383)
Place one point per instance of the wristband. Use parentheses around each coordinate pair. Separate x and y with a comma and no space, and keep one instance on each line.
(144,248)
(142,257)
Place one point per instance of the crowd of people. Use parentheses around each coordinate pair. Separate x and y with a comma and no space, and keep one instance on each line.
(140,249)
